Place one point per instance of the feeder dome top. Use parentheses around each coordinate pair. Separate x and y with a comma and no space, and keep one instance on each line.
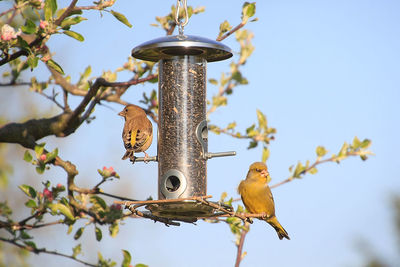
(180,45)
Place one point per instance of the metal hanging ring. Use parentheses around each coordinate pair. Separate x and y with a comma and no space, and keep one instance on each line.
(181,24)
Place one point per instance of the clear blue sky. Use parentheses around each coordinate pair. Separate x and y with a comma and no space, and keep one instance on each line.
(323,72)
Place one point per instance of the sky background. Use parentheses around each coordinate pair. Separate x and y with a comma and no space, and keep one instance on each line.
(322,72)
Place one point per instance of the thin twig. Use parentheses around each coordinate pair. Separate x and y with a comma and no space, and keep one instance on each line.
(239,255)
(43,250)
(219,39)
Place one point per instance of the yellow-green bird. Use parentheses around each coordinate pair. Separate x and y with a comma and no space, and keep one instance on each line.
(137,134)
(257,197)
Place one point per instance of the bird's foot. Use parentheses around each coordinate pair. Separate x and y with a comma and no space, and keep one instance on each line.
(132,158)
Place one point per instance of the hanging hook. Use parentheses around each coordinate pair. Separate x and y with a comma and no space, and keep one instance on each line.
(181,24)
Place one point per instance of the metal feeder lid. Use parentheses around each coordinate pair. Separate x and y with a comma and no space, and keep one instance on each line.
(180,45)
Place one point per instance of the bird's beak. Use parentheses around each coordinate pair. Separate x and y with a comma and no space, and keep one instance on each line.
(264,173)
(122,114)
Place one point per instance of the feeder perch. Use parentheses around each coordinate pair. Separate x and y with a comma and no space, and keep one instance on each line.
(182,130)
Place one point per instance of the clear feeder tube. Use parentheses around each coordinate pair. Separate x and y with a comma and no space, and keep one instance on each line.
(182,109)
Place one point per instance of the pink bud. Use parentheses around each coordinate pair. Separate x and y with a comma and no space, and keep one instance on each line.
(48,194)
(116,206)
(43,157)
(59,185)
(43,24)
(104,168)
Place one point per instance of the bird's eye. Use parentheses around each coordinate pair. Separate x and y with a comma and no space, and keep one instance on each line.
(126,110)
(258,170)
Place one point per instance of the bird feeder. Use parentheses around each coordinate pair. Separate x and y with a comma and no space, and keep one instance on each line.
(182,126)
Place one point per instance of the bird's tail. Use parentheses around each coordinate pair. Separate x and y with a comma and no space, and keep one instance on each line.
(278,228)
(128,154)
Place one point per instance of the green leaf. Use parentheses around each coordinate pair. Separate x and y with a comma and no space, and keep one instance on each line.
(127,258)
(121,18)
(365,143)
(24,235)
(262,120)
(252,144)
(265,154)
(70,227)
(27,156)
(40,169)
(51,63)
(61,208)
(74,35)
(76,250)
(313,170)
(78,233)
(31,203)
(356,143)
(29,27)
(50,8)
(28,190)
(71,21)
(213,81)
(114,229)
(298,170)
(39,149)
(231,126)
(51,155)
(141,265)
(248,10)
(30,244)
(224,27)
(343,150)
(321,151)
(32,61)
(98,233)
(99,201)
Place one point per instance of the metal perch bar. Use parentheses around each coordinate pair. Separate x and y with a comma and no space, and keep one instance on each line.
(210,155)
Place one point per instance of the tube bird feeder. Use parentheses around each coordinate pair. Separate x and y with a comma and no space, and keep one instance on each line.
(182,128)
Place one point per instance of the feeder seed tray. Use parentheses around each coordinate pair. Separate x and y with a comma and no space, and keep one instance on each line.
(188,210)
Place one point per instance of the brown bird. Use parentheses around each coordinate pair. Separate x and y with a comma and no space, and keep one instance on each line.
(138,131)
(257,197)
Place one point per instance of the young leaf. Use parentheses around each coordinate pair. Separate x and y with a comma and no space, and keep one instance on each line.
(265,154)
(28,190)
(78,233)
(98,233)
(72,21)
(32,61)
(121,18)
(55,66)
(50,8)
(39,149)
(321,151)
(76,250)
(31,203)
(63,210)
(127,258)
(27,156)
(74,35)
(29,27)
(248,10)
(114,229)
(40,169)
(262,120)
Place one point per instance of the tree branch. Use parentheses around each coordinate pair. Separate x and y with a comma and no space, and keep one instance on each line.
(43,250)
(239,253)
